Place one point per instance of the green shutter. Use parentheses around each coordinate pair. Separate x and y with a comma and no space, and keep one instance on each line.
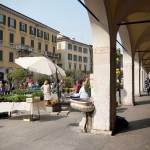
(15,24)
(48,36)
(42,34)
(34,31)
(4,20)
(25,27)
(8,21)
(1,35)
(30,29)
(20,26)
(1,55)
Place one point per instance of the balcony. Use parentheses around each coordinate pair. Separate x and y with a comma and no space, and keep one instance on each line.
(26,48)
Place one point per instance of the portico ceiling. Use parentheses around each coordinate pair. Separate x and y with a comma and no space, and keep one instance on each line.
(134,14)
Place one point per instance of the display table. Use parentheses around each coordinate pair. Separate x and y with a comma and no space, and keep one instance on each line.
(28,106)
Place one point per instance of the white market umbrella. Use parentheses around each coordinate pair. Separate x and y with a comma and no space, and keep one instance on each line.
(40,65)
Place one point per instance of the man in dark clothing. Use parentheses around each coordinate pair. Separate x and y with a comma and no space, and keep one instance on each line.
(147,85)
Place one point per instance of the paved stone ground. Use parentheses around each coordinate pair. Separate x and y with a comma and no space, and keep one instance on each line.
(60,132)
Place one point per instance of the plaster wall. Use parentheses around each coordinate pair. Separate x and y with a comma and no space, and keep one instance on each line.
(127,67)
(136,76)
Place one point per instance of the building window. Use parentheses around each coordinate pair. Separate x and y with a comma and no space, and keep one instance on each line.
(80,49)
(11,57)
(2,19)
(85,59)
(46,36)
(80,67)
(1,55)
(23,27)
(11,23)
(39,33)
(1,35)
(54,38)
(69,56)
(75,57)
(80,58)
(85,50)
(69,46)
(39,46)
(11,38)
(32,30)
(23,40)
(32,43)
(74,47)
(46,47)
(69,65)
(75,66)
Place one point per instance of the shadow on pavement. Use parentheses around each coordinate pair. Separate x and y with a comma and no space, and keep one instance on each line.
(136,125)
(121,110)
(43,118)
(142,102)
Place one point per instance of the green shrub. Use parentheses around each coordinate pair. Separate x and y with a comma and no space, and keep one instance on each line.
(38,94)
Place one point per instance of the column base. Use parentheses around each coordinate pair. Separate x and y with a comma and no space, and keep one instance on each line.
(104,132)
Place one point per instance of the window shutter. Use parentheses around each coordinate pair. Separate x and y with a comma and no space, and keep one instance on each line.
(55,39)
(34,31)
(48,36)
(42,34)
(1,55)
(4,20)
(25,27)
(1,35)
(8,21)
(52,38)
(20,27)
(30,29)
(15,24)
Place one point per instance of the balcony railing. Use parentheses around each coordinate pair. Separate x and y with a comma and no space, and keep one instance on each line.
(20,47)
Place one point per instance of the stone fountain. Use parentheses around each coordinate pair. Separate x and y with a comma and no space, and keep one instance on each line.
(87,108)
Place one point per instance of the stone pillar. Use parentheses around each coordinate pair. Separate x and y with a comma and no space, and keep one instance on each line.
(103,90)
(136,78)
(127,70)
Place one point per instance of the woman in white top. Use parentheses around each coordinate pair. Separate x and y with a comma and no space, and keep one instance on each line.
(82,93)
(46,91)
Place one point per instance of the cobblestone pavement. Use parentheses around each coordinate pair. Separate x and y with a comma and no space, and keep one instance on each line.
(61,132)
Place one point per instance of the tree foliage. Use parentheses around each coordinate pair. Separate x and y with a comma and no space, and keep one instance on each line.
(17,75)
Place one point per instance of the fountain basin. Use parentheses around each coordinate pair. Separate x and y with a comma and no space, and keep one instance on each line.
(83,105)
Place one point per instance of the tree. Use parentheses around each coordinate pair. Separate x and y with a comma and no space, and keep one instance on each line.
(17,75)
(74,74)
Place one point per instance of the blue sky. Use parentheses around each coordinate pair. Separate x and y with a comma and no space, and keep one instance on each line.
(68,17)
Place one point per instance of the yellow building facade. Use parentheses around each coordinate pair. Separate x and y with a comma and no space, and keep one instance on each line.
(23,36)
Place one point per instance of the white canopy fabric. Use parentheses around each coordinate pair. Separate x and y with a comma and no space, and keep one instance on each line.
(40,65)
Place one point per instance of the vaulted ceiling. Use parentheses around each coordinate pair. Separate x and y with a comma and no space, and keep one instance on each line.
(134,14)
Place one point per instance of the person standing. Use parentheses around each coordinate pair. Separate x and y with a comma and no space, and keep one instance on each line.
(46,91)
(147,85)
(77,87)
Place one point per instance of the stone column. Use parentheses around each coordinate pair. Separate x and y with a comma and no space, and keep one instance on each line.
(127,70)
(103,90)
(136,78)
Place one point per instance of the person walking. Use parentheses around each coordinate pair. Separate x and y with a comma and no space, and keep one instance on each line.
(46,91)
(147,85)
